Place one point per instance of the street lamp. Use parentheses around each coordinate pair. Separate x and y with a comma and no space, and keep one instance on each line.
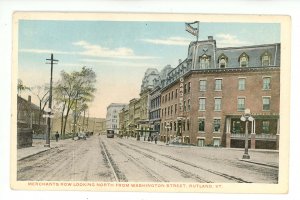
(245,118)
(168,128)
(49,115)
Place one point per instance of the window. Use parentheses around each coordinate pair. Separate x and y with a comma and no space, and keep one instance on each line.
(176,93)
(265,59)
(202,85)
(266,83)
(266,126)
(244,59)
(169,96)
(217,125)
(204,62)
(162,112)
(266,103)
(171,124)
(171,109)
(223,61)
(201,124)
(218,102)
(168,110)
(218,84)
(184,106)
(189,86)
(188,125)
(241,104)
(242,83)
(189,105)
(175,108)
(163,99)
(172,95)
(185,89)
(202,104)
(183,125)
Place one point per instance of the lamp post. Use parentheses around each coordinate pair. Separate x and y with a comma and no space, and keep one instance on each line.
(245,118)
(167,127)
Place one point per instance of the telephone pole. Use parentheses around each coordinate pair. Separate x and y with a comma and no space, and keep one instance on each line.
(50,114)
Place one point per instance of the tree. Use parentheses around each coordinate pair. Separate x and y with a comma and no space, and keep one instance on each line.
(21,87)
(73,89)
(41,92)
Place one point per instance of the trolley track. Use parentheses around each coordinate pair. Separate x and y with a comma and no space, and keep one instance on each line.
(226,176)
(118,176)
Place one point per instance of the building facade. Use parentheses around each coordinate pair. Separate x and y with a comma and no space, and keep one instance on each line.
(112,116)
(207,93)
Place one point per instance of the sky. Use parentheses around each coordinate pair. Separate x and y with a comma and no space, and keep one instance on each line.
(119,52)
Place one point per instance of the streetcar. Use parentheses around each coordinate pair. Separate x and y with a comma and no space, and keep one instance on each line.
(110,133)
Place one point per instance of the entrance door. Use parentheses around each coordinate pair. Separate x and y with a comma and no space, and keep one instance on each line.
(216,142)
(201,142)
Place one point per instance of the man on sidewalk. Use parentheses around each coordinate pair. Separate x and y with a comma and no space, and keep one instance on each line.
(56,136)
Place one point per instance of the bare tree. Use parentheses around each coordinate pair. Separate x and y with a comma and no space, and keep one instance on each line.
(42,93)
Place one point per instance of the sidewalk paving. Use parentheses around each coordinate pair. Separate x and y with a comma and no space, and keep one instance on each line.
(258,158)
(38,147)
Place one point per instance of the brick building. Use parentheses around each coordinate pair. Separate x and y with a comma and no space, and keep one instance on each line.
(207,93)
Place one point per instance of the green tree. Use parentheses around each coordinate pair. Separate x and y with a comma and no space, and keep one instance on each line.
(73,89)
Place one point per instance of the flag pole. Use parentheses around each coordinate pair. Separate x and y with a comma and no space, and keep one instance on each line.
(197,30)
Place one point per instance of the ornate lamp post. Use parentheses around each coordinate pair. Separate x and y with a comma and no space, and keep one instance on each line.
(168,128)
(245,118)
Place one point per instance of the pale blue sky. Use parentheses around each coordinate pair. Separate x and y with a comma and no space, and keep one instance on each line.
(120,52)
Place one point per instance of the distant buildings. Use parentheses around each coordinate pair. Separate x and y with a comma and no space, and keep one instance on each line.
(200,101)
(112,116)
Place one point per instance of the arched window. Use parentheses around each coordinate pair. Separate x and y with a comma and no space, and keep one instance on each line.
(204,62)
(265,59)
(244,60)
(222,61)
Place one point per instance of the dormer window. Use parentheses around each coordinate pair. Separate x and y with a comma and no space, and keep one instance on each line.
(244,60)
(204,62)
(222,61)
(265,59)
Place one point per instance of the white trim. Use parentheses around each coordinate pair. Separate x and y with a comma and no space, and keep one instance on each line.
(201,138)
(201,117)
(216,137)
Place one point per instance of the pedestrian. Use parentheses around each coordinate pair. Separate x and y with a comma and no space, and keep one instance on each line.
(155,139)
(56,136)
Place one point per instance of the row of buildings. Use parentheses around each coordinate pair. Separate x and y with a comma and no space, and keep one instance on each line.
(202,99)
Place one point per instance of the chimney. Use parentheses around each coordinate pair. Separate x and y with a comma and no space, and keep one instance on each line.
(210,38)
(29,99)
(180,61)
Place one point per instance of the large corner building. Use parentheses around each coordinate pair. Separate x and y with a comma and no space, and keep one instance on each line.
(207,93)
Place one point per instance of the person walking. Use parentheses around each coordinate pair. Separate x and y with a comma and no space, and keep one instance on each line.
(56,136)
(155,139)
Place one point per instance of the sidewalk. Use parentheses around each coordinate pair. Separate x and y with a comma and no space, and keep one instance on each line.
(258,156)
(38,147)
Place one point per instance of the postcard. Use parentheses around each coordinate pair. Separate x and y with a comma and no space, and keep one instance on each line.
(150,102)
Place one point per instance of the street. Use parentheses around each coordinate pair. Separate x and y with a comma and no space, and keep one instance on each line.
(126,160)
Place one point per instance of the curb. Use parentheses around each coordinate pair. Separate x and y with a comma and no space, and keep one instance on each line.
(257,163)
(33,154)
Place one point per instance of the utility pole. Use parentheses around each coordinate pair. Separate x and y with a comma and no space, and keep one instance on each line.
(52,62)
